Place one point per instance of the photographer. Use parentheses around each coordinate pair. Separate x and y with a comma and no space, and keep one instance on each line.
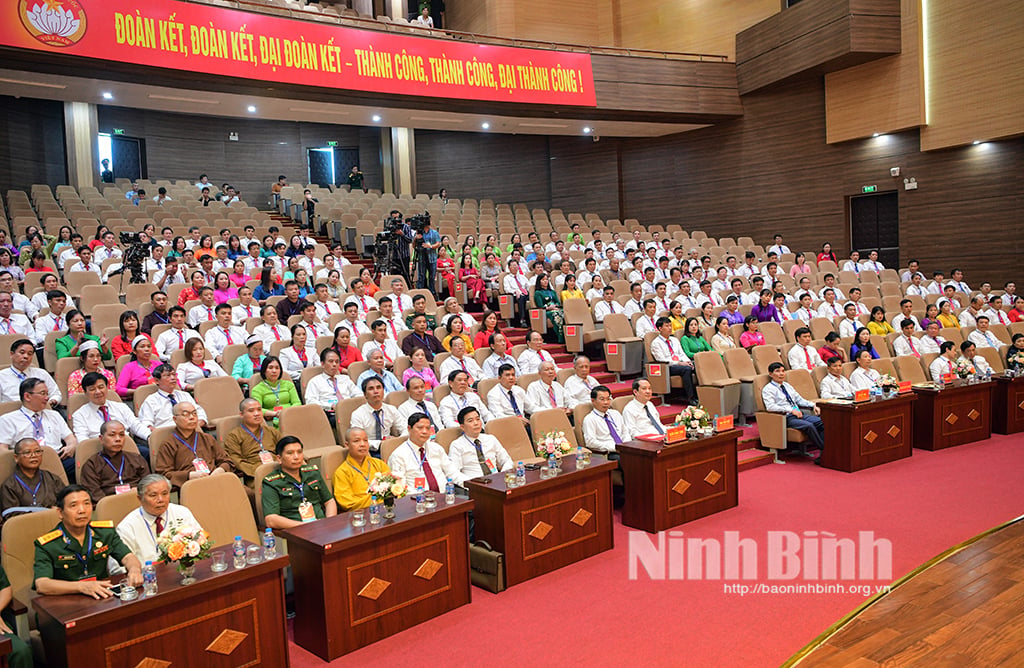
(399,235)
(427,242)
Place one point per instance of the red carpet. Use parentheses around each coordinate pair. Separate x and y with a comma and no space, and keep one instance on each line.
(592,613)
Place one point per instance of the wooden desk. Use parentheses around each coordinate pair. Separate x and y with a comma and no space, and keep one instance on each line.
(232,618)
(357,585)
(859,436)
(1008,405)
(957,414)
(670,485)
(546,524)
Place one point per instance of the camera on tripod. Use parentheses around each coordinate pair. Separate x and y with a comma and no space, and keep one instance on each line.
(418,223)
(134,257)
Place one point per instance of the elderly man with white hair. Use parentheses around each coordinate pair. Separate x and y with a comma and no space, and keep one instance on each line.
(579,385)
(140,528)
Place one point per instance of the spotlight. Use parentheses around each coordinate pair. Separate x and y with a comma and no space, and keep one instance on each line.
(108,96)
(251,109)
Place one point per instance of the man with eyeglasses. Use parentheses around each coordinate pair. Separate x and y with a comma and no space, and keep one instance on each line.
(30,486)
(34,419)
(189,453)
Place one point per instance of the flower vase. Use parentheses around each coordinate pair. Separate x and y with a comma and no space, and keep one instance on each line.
(187,572)
(389,508)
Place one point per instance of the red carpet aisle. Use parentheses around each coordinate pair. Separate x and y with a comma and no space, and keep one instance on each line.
(593,613)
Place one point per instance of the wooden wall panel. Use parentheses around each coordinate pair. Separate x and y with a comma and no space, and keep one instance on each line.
(180,146)
(976,77)
(885,95)
(31,143)
(692,26)
(569,21)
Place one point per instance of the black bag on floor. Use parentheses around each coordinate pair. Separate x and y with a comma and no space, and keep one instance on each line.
(486,567)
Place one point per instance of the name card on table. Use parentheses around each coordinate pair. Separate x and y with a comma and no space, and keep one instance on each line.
(905,387)
(654,370)
(947,378)
(613,348)
(675,434)
(861,395)
(570,330)
(723,423)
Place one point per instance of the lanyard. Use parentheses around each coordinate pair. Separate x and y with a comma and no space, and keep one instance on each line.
(301,487)
(422,458)
(37,424)
(276,390)
(88,550)
(259,441)
(118,471)
(148,528)
(195,442)
(33,492)
(357,470)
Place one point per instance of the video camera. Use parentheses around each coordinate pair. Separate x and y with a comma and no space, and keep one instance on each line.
(418,223)
(134,257)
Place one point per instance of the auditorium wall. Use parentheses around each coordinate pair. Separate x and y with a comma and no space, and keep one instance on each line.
(180,146)
(31,143)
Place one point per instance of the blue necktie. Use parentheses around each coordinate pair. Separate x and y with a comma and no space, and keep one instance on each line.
(611,430)
(515,406)
(788,398)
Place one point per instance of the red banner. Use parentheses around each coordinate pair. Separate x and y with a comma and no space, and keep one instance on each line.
(228,42)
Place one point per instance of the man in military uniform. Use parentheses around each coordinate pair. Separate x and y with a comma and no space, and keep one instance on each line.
(253,442)
(295,492)
(72,559)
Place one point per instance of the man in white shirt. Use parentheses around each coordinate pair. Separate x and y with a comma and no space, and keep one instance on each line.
(983,337)
(931,342)
(158,408)
(805,312)
(913,267)
(454,310)
(460,361)
(204,311)
(804,286)
(905,343)
(853,264)
(353,322)
(69,252)
(108,249)
(803,355)
(460,397)
(314,328)
(995,313)
(420,462)
(377,419)
(957,281)
(140,528)
(604,427)
(529,360)
(640,414)
(363,302)
(155,261)
(35,420)
(330,387)
(499,356)
(383,343)
(849,325)
(778,247)
(635,303)
(16,323)
(648,321)
(175,337)
(872,262)
(667,349)
(419,403)
(387,314)
(475,454)
(906,312)
(684,297)
(546,392)
(801,414)
(172,274)
(88,419)
(968,354)
(507,398)
(968,317)
(87,263)
(324,305)
(830,283)
(943,364)
(915,289)
(223,335)
(855,300)
(247,307)
(22,353)
(579,385)
(835,385)
(517,287)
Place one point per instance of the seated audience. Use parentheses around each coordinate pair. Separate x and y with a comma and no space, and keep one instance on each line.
(140,529)
(604,427)
(640,415)
(35,420)
(352,478)
(251,443)
(30,485)
(21,367)
(420,462)
(378,419)
(801,414)
(112,470)
(189,453)
(835,385)
(157,410)
(295,492)
(475,454)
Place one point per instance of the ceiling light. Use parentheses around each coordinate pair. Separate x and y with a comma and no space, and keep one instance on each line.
(485,126)
(108,96)
(976,142)
(175,98)
(376,118)
(875,135)
(586,130)
(251,109)
(33,83)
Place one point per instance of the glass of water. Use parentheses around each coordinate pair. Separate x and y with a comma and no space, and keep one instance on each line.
(358,517)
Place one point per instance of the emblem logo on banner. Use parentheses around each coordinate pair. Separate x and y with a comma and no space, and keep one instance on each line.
(53,22)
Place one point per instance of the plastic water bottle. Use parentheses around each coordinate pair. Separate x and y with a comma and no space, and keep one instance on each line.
(552,463)
(374,510)
(449,492)
(269,545)
(421,505)
(579,457)
(988,374)
(238,551)
(149,579)
(520,474)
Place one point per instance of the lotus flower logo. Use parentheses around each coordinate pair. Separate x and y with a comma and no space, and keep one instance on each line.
(53,22)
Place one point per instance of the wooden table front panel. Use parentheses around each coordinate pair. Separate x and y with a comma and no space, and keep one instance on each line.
(223,621)
(352,593)
(859,436)
(547,524)
(1008,405)
(958,414)
(669,486)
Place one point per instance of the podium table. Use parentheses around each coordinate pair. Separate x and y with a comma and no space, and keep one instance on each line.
(546,524)
(958,413)
(866,434)
(1008,405)
(668,485)
(357,585)
(232,618)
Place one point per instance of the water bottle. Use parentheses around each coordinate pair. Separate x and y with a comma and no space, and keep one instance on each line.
(580,457)
(421,505)
(520,474)
(449,492)
(374,510)
(988,374)
(269,545)
(552,463)
(238,551)
(149,579)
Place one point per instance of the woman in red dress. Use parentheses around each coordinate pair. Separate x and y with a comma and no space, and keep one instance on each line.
(470,275)
(827,254)
(446,269)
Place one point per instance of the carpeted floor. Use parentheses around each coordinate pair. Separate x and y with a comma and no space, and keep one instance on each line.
(592,612)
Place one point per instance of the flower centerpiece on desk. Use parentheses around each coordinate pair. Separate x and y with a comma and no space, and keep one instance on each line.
(963,369)
(694,418)
(553,443)
(888,383)
(386,487)
(184,545)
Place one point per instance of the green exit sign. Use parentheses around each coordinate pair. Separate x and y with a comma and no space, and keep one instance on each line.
(870,189)
(118,131)
(332,143)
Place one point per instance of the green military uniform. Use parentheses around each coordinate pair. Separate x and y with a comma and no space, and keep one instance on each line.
(431,321)
(61,557)
(282,494)
(21,653)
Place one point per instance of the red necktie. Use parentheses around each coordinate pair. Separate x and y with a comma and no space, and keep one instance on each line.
(159,525)
(807,356)
(277,337)
(209,313)
(385,351)
(302,355)
(248,311)
(106,413)
(227,335)
(551,394)
(393,329)
(362,300)
(428,472)
(56,323)
(181,339)
(910,340)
